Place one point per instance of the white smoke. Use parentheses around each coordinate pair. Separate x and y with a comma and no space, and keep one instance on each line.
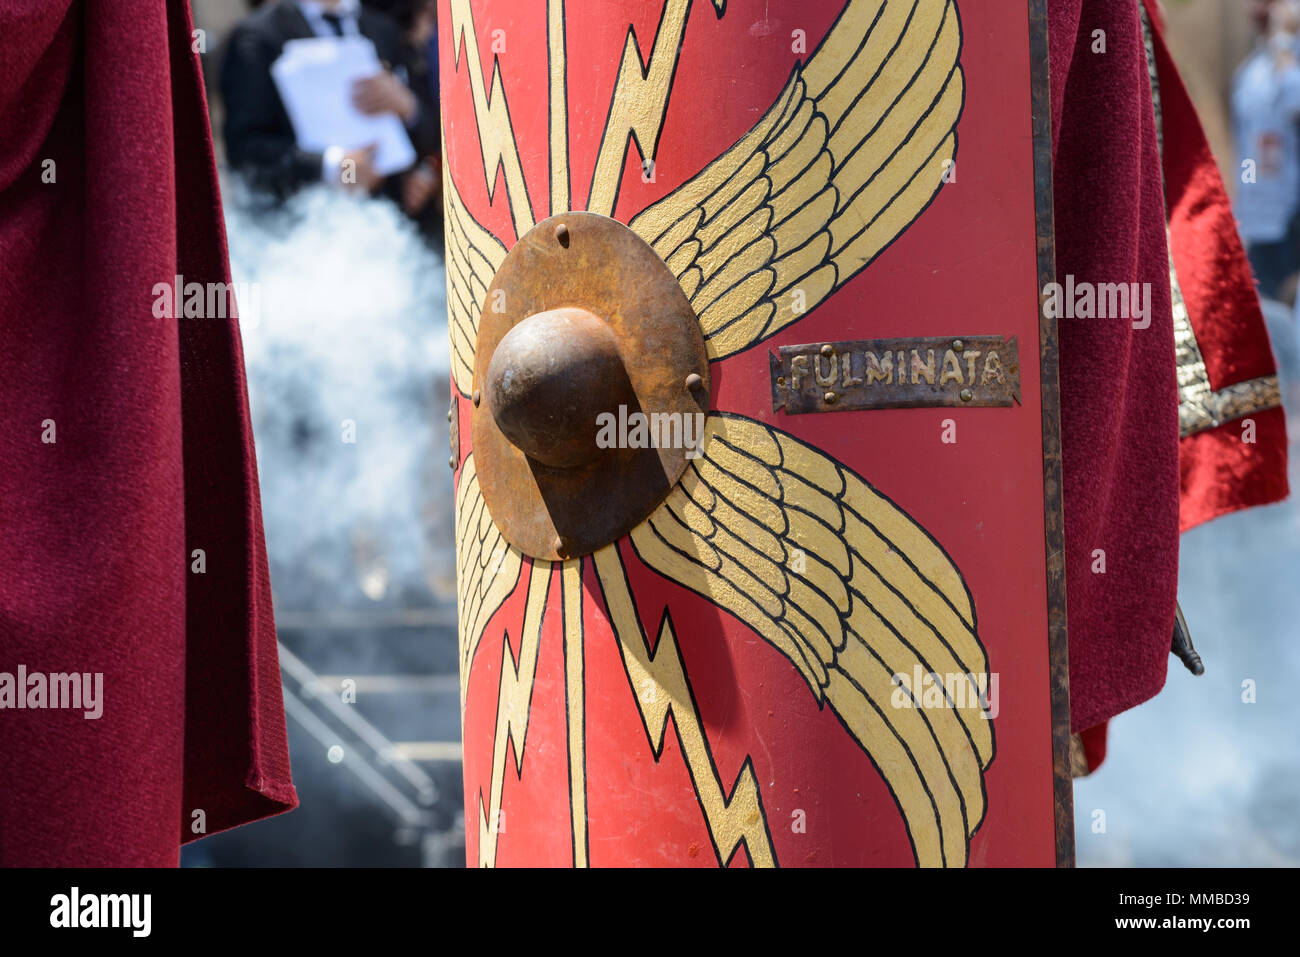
(1208,772)
(346,340)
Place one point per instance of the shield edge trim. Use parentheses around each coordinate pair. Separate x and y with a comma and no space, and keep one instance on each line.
(1049,372)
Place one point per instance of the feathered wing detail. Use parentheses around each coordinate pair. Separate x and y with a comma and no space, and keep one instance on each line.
(854,149)
(854,592)
(473,257)
(487,567)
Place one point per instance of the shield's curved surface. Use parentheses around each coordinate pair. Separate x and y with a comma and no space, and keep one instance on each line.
(836,640)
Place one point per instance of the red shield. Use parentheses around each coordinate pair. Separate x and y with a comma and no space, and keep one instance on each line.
(838,640)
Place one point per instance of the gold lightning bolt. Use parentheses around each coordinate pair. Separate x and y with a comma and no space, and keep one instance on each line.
(559,133)
(660,688)
(492,115)
(514,699)
(639,103)
(575,702)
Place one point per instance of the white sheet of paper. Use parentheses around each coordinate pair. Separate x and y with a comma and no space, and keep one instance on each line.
(315,77)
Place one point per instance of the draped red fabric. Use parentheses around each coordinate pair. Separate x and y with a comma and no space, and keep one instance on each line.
(1130,483)
(1119,399)
(125,450)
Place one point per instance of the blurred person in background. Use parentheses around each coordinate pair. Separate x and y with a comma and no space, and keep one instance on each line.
(260,140)
(422,187)
(1266,110)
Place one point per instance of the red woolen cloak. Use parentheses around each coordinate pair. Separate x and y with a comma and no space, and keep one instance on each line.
(108,188)
(1152,434)
(1119,395)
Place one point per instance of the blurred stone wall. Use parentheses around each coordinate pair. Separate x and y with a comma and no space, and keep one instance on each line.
(1208,38)
(218,16)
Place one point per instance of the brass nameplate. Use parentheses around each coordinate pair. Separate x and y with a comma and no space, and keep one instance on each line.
(905,373)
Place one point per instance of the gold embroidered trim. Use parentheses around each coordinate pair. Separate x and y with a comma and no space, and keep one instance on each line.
(1199,406)
(1231,402)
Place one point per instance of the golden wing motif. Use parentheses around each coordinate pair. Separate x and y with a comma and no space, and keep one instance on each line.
(487,567)
(854,149)
(853,591)
(473,257)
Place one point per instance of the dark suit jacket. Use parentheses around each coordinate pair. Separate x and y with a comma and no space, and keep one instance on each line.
(260,141)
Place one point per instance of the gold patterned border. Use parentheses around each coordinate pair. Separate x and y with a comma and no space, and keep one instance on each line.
(1200,407)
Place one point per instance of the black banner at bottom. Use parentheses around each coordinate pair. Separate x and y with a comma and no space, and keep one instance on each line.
(339,907)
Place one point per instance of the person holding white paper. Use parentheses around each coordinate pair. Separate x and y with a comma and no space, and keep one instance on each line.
(261,140)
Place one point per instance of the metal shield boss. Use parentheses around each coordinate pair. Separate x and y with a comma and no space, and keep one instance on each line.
(754,433)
